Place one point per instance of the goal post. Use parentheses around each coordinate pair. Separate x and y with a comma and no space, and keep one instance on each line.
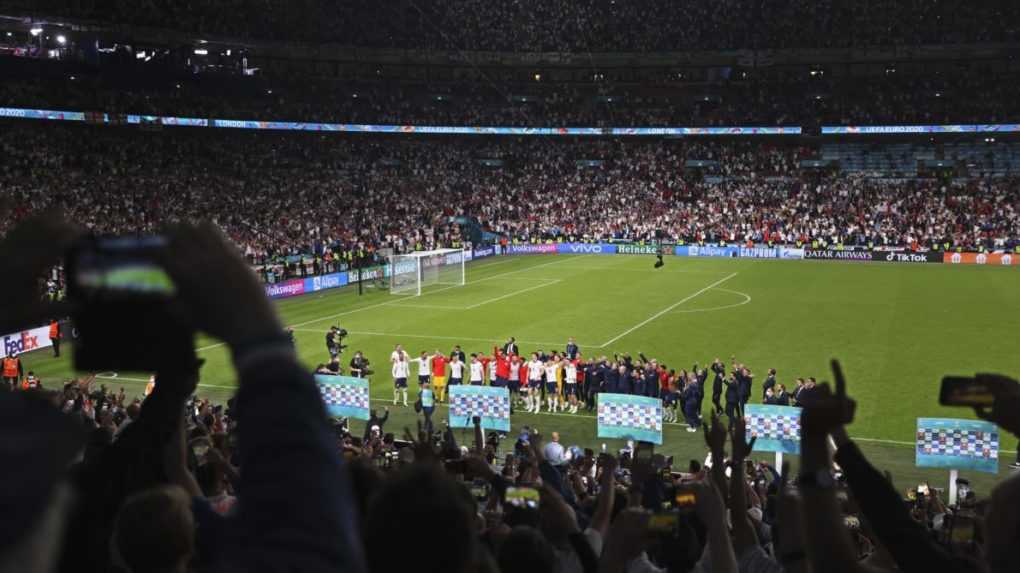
(412,272)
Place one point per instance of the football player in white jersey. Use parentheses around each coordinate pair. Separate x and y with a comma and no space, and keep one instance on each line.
(477,371)
(401,370)
(570,384)
(533,400)
(424,363)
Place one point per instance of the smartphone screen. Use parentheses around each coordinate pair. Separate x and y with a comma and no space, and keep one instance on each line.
(122,265)
(662,522)
(684,498)
(963,391)
(523,497)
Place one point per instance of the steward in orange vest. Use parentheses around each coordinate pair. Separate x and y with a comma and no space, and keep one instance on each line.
(12,371)
(55,337)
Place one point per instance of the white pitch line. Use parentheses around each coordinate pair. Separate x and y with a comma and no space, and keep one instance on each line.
(428,306)
(393,302)
(747,300)
(665,310)
(515,293)
(437,337)
(146,381)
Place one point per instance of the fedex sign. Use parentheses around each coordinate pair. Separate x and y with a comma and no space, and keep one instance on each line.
(26,341)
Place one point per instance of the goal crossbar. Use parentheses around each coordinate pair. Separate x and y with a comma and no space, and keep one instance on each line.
(411,272)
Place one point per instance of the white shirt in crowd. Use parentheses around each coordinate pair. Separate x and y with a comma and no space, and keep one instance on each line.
(570,375)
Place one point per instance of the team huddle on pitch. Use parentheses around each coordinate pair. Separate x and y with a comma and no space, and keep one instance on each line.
(564,381)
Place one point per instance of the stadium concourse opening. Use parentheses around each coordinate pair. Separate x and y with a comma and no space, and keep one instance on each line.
(586,286)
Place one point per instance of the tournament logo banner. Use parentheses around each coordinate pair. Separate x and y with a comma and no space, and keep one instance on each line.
(623,416)
(491,404)
(957,444)
(344,396)
(776,427)
(999,259)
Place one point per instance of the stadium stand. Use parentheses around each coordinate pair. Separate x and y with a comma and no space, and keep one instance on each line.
(165,482)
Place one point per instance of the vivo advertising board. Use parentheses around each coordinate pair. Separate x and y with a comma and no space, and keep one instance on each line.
(586,248)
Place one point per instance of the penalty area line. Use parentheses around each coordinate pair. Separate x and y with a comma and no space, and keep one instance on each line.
(667,309)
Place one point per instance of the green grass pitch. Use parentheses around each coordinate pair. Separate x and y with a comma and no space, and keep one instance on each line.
(896,328)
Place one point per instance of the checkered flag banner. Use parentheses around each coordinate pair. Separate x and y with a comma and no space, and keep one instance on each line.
(776,427)
(491,404)
(630,417)
(344,396)
(957,444)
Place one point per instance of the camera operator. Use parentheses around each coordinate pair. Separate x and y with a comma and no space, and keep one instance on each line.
(359,366)
(332,346)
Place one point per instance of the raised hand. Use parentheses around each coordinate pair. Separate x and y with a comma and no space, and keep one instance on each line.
(741,448)
(825,411)
(422,445)
(715,436)
(221,292)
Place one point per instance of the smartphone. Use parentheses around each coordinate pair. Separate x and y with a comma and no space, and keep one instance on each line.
(522,497)
(964,391)
(124,305)
(663,522)
(480,490)
(684,498)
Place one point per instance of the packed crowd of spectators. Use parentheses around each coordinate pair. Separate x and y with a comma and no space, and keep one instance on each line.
(564,25)
(266,482)
(964,95)
(279,195)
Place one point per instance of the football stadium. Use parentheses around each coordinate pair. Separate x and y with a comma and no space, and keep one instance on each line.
(583,286)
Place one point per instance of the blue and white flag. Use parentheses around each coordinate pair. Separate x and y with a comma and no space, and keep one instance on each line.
(776,427)
(630,417)
(344,396)
(491,404)
(957,444)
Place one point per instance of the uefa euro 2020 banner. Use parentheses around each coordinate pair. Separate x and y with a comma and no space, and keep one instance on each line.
(776,427)
(344,396)
(957,444)
(492,405)
(628,417)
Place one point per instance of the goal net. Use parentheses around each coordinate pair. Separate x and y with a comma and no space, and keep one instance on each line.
(412,272)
